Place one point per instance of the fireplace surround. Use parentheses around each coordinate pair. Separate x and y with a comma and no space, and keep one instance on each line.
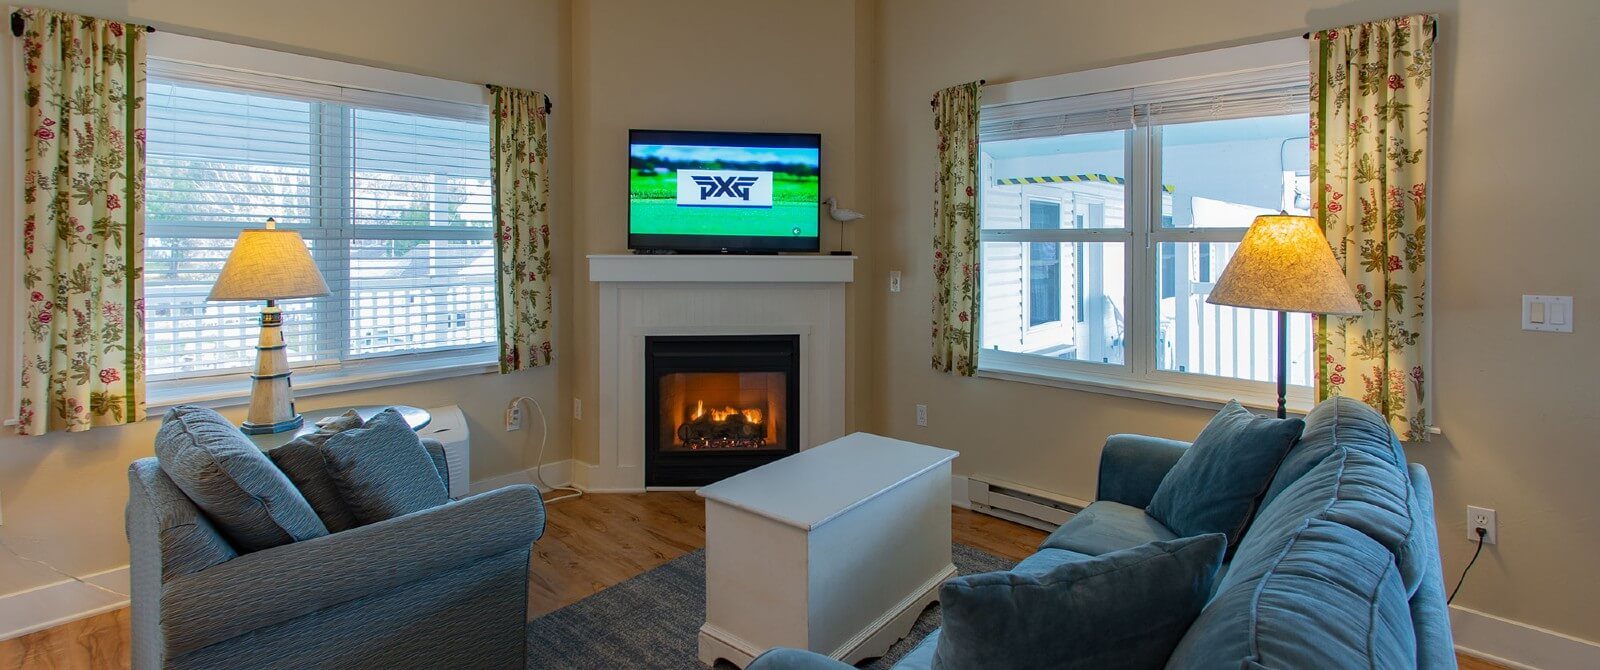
(642,297)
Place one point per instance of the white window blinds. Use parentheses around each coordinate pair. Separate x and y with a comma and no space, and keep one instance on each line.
(391,193)
(1262,92)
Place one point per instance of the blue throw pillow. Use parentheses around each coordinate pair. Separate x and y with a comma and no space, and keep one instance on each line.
(1126,609)
(1219,482)
(382,470)
(249,500)
(301,459)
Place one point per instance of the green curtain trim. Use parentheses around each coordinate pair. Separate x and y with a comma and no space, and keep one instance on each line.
(494,198)
(130,244)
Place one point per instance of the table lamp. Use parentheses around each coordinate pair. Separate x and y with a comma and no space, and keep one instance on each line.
(270,264)
(1284,263)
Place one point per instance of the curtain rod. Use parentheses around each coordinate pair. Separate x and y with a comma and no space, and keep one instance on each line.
(1435,32)
(548,106)
(18,23)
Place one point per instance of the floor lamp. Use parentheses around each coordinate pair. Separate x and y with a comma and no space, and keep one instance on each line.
(1285,264)
(270,264)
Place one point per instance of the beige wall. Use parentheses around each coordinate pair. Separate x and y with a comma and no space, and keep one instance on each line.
(62,495)
(1514,103)
(710,65)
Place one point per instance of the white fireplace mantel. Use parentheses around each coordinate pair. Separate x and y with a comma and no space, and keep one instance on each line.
(647,295)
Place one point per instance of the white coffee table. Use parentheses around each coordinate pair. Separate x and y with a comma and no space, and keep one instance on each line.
(836,549)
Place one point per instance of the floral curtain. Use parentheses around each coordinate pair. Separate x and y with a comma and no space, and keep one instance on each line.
(83,223)
(521,157)
(1371,92)
(955,231)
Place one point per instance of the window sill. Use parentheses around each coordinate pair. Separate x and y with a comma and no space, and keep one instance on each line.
(1187,396)
(234,390)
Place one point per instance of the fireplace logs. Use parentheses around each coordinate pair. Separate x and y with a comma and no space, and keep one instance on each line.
(726,428)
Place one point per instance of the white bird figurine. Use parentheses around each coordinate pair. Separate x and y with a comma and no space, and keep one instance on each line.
(841,215)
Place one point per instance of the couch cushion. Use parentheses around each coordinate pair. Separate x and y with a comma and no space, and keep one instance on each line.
(1125,609)
(1329,597)
(1220,480)
(1373,484)
(921,656)
(382,469)
(1106,526)
(301,460)
(1047,559)
(249,500)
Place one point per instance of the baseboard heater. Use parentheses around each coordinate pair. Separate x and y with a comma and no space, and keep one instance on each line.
(1023,504)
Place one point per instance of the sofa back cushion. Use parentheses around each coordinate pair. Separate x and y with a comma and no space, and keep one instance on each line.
(1373,488)
(1072,613)
(1219,481)
(1325,596)
(223,473)
(382,470)
(301,460)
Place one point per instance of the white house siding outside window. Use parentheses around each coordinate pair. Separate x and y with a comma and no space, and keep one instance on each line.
(391,193)
(1106,217)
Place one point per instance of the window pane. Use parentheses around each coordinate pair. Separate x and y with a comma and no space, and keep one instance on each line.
(420,295)
(1200,338)
(1061,300)
(1081,174)
(418,171)
(1222,174)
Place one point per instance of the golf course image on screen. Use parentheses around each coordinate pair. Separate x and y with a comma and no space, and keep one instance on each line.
(704,190)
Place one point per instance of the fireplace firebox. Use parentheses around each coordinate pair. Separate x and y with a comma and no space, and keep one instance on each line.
(716,406)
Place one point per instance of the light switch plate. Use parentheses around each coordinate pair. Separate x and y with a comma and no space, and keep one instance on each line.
(1547,313)
(894,281)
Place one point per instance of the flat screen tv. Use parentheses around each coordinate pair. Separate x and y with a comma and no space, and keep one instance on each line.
(714,192)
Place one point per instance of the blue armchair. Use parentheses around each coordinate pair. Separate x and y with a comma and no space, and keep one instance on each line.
(443,587)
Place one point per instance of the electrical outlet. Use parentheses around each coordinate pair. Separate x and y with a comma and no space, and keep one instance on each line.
(577,409)
(922,415)
(1481,517)
(894,281)
(514,416)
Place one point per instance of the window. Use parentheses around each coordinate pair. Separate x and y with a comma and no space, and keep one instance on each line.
(1106,217)
(393,202)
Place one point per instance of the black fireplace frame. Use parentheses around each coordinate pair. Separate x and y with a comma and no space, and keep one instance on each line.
(668,354)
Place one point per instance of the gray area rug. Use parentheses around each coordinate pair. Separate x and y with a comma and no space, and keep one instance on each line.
(650,621)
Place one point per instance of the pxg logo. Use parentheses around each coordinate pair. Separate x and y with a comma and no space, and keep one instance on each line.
(724,188)
(735,187)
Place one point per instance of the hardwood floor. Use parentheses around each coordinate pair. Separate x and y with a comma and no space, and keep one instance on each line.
(589,544)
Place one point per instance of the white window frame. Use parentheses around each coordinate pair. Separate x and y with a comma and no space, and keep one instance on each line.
(183,57)
(1139,376)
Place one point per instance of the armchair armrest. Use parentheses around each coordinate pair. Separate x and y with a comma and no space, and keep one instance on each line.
(795,659)
(1132,466)
(268,587)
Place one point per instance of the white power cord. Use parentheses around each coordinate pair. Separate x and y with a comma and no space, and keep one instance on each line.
(538,465)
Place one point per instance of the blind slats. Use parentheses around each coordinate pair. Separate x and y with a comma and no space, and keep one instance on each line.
(394,205)
(1263,92)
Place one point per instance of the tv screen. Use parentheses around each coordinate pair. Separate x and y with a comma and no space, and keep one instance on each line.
(723,192)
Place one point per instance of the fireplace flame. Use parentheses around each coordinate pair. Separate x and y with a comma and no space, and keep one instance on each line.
(721,415)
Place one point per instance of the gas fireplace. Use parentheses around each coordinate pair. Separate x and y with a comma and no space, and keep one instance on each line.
(716,406)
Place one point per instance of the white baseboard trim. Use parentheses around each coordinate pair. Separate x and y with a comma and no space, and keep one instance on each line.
(592,478)
(63,602)
(554,473)
(1519,645)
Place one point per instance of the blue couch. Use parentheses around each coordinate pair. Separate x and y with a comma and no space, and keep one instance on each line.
(1338,569)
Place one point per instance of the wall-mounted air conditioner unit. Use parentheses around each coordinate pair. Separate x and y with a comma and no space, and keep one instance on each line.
(449,427)
(1023,504)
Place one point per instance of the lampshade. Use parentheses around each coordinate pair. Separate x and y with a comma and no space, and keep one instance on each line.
(268,264)
(1285,264)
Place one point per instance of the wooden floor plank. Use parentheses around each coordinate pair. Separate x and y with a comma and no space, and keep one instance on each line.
(590,543)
